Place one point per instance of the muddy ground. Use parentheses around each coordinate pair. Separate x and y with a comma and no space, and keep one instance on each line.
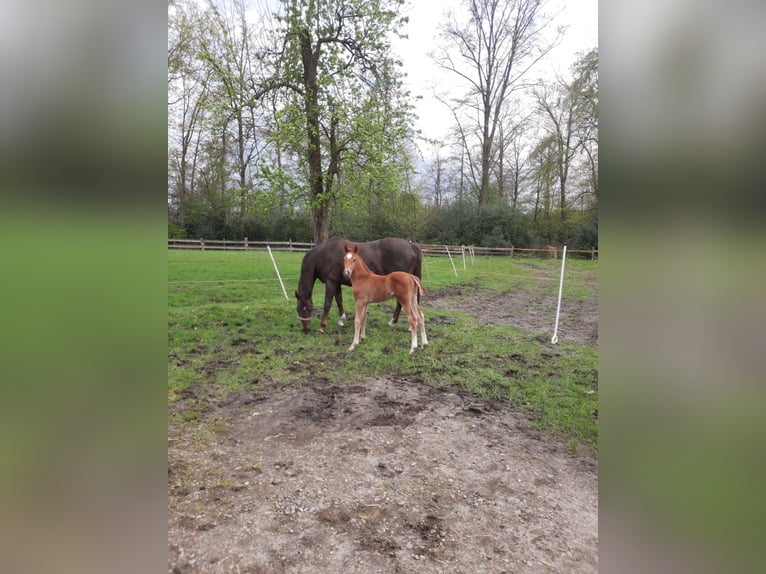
(388,476)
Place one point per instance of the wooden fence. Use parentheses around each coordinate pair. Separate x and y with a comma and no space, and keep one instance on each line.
(428,249)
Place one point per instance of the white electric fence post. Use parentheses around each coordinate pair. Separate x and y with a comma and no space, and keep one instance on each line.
(450,260)
(555,337)
(278,275)
(462,247)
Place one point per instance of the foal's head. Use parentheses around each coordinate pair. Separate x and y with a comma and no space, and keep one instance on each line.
(350,259)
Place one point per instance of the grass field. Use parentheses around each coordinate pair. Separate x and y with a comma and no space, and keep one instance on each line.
(231,328)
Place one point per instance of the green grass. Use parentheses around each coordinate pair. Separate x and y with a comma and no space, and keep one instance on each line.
(230,327)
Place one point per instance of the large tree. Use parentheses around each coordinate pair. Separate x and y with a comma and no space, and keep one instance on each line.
(336,59)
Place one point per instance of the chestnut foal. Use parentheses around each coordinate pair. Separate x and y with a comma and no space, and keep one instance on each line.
(368,287)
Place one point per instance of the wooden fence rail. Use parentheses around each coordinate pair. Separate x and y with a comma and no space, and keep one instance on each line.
(232,245)
(551,251)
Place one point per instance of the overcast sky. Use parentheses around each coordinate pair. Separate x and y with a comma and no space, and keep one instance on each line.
(581,17)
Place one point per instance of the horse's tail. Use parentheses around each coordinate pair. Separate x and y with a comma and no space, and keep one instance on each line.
(417,270)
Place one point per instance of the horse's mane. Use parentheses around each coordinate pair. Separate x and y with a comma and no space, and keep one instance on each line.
(308,272)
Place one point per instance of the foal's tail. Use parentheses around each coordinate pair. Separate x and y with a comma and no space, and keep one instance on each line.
(421,291)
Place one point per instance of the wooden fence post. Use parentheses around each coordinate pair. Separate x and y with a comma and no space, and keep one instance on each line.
(511,254)
(593,253)
(246,244)
(202,243)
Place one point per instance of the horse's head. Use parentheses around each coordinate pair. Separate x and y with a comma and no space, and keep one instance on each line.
(304,308)
(350,258)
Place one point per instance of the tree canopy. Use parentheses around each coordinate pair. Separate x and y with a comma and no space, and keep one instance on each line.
(297,124)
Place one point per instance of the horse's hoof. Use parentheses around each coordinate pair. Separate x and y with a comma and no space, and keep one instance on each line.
(341,323)
(320,330)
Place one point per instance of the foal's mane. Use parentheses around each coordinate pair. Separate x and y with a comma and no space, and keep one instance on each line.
(354,249)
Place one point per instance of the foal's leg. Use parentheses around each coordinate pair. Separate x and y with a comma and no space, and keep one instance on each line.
(422,320)
(361,310)
(412,318)
(363,334)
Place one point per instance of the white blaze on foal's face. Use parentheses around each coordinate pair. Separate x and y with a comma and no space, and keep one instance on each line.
(346,270)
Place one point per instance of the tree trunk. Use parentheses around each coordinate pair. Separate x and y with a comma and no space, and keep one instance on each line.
(320,223)
(537,203)
(242,172)
(500,166)
(319,203)
(181,188)
(486,150)
(438,182)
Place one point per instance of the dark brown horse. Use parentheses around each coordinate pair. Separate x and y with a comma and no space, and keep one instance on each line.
(325,262)
(369,287)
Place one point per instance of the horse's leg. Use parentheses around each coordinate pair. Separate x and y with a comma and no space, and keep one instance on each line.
(395,317)
(329,293)
(339,301)
(360,311)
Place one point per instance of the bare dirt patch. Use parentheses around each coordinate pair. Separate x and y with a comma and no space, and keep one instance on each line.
(389,476)
(531,311)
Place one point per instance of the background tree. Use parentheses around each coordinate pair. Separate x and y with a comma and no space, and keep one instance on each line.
(568,112)
(495,48)
(227,52)
(187,94)
(543,178)
(511,166)
(436,176)
(585,85)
